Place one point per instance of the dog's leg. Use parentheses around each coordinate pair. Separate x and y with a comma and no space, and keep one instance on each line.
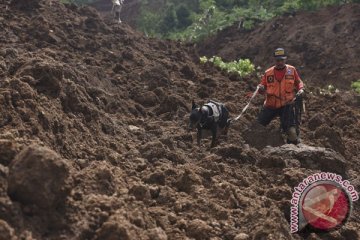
(199,136)
(228,122)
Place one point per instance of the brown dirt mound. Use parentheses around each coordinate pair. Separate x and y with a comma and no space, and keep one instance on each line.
(322,45)
(109,109)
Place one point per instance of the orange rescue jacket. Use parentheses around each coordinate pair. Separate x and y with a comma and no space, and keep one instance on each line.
(280,92)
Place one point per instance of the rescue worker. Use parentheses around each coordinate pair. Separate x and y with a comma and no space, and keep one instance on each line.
(282,85)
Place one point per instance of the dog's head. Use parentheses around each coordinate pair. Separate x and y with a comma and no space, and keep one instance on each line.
(195,116)
(198,115)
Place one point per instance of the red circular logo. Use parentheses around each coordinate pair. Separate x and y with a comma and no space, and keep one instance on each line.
(326,206)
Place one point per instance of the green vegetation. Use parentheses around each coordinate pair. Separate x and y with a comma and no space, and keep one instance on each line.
(242,67)
(356,86)
(192,20)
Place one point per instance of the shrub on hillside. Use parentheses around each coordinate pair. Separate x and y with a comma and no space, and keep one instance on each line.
(356,86)
(242,67)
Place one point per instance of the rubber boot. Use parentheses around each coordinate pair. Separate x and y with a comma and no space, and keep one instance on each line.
(292,137)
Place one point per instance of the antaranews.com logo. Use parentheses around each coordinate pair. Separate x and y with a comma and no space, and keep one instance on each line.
(322,201)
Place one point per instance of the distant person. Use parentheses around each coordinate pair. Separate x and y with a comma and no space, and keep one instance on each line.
(116,9)
(204,20)
(283,87)
(209,14)
(241,23)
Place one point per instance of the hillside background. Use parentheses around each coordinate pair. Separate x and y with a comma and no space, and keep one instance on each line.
(193,20)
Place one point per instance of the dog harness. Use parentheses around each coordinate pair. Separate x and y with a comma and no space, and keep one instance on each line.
(216,109)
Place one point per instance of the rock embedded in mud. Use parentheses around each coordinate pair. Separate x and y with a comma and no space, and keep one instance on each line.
(39,176)
(309,157)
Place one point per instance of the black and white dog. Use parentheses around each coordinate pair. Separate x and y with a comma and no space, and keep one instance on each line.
(212,116)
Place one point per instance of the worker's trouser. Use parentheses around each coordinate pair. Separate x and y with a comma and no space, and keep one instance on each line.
(287,120)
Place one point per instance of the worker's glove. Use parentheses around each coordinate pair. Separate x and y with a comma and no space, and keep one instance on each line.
(300,92)
(261,88)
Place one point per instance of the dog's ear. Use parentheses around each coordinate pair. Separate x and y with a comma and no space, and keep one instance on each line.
(193,105)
